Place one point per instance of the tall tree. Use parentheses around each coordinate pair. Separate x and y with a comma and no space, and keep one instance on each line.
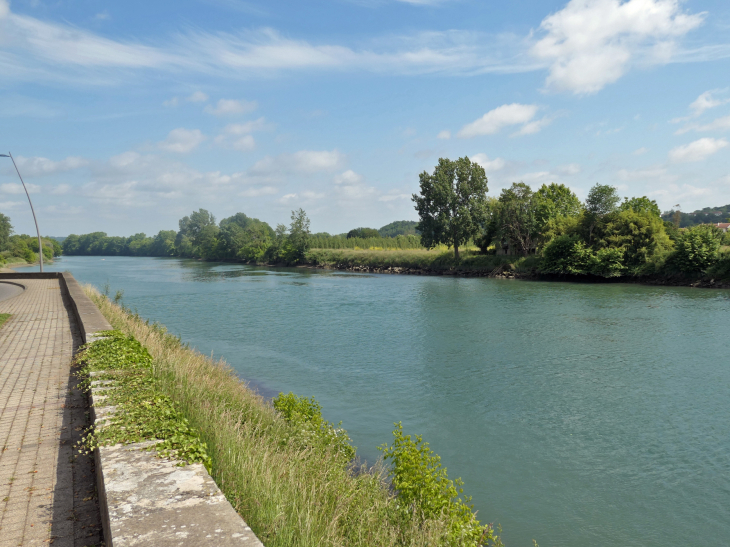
(602,199)
(518,219)
(298,239)
(452,205)
(5,230)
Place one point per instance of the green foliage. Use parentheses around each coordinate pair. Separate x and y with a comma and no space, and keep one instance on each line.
(312,430)
(143,411)
(602,199)
(641,205)
(399,228)
(566,254)
(5,230)
(517,221)
(697,248)
(452,203)
(425,491)
(297,241)
(556,200)
(363,233)
(640,234)
(720,269)
(3,318)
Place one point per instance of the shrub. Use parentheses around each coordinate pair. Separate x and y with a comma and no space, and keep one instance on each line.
(697,248)
(426,492)
(566,254)
(312,429)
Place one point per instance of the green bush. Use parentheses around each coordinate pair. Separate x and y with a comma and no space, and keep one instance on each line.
(426,492)
(566,254)
(312,429)
(697,248)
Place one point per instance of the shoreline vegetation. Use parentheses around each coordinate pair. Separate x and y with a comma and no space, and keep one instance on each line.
(546,233)
(22,249)
(289,473)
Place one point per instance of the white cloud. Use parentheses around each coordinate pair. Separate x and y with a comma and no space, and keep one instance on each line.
(244,144)
(445,134)
(244,128)
(5,205)
(707,101)
(36,167)
(238,135)
(132,178)
(257,192)
(719,124)
(657,172)
(495,120)
(569,169)
(591,43)
(640,151)
(4,8)
(533,127)
(182,141)
(231,107)
(489,165)
(197,97)
(304,162)
(61,189)
(698,150)
(17,188)
(393,197)
(348,177)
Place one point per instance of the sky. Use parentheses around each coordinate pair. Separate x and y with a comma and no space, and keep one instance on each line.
(126,116)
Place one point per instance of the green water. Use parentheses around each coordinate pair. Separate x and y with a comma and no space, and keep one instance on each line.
(577,414)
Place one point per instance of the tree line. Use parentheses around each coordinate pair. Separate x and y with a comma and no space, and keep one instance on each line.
(19,248)
(603,236)
(238,237)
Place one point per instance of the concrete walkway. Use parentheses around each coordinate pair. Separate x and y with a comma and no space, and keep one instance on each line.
(47,495)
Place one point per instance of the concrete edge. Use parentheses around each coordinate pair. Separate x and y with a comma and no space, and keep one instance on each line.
(182,506)
(154,501)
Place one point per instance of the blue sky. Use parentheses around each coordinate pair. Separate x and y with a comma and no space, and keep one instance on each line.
(125,116)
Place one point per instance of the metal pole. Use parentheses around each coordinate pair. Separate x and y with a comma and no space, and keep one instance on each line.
(40,243)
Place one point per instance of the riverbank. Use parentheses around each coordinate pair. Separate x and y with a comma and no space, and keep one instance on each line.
(473,264)
(291,490)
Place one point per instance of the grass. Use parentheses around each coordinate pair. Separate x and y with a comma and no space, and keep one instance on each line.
(290,494)
(3,318)
(438,260)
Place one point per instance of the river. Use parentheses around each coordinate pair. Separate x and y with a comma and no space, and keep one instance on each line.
(580,415)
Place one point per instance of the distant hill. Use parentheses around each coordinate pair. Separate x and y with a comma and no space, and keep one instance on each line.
(57,238)
(399,228)
(708,215)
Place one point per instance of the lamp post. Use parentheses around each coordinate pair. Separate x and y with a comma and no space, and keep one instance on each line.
(40,243)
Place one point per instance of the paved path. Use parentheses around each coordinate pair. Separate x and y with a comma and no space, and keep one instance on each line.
(9,290)
(47,496)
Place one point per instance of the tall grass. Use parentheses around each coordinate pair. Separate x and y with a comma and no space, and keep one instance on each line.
(290,496)
(470,260)
(382,243)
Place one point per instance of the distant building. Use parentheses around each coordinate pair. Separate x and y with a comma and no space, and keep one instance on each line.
(723,226)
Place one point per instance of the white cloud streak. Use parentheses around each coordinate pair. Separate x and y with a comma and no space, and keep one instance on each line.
(37,167)
(503,116)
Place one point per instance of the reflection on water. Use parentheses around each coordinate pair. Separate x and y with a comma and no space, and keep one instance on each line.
(577,414)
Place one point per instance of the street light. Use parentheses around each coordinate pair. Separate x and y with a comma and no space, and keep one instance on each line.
(40,244)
